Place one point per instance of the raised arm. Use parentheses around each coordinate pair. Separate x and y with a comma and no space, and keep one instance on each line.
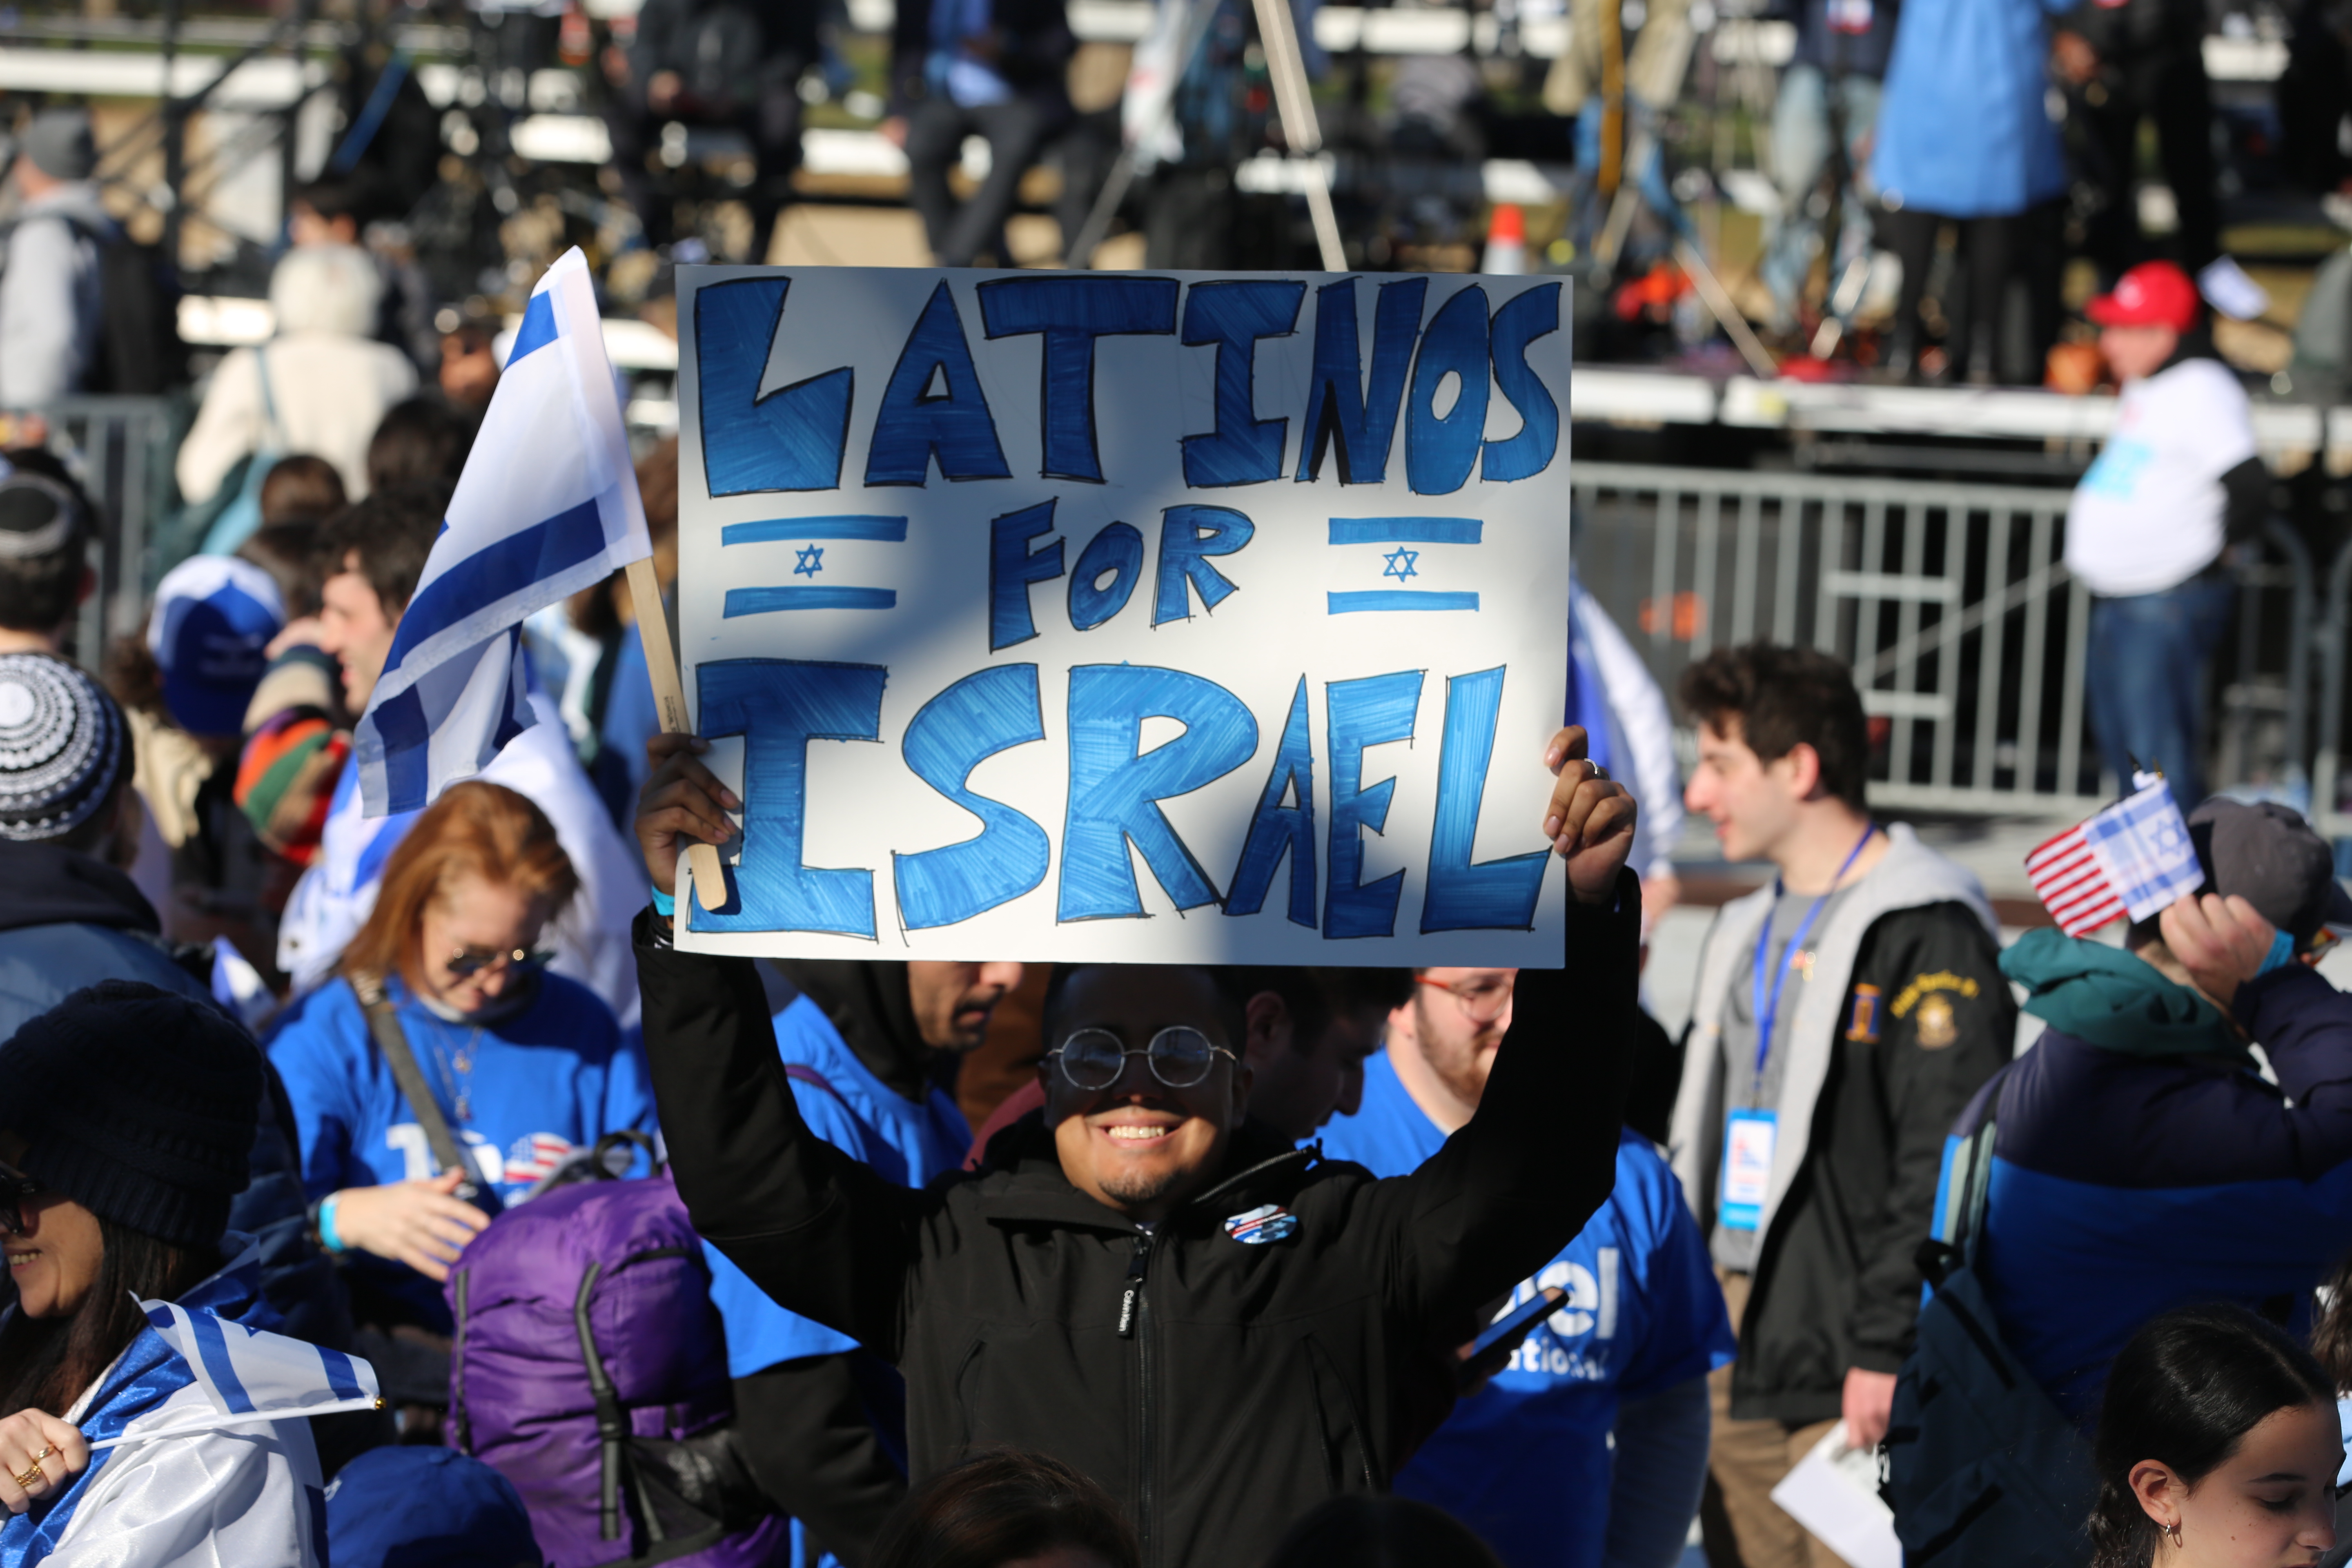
(1516,1183)
(2303,1024)
(820,1232)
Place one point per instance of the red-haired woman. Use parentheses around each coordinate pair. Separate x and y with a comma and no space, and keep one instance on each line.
(525,1066)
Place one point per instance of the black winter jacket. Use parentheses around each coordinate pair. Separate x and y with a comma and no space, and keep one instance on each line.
(1217,1389)
(1838,1286)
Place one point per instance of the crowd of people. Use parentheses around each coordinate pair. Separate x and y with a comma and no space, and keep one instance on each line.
(1856,147)
(652,1254)
(658,1255)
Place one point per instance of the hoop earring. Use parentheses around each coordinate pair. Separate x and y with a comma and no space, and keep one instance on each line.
(2174,1531)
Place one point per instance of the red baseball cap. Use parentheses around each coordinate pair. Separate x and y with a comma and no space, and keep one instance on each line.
(2153,294)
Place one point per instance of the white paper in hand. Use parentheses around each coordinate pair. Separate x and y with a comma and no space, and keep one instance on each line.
(1834,1493)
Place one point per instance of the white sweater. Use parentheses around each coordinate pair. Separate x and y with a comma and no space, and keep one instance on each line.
(331,392)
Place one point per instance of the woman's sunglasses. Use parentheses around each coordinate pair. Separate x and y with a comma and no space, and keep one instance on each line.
(465,962)
(14,1190)
(1179,1057)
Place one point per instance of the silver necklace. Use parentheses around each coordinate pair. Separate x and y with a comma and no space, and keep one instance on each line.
(460,1086)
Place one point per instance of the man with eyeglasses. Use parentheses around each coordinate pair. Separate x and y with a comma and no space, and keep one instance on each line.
(1591,1444)
(1220,1327)
(1306,1034)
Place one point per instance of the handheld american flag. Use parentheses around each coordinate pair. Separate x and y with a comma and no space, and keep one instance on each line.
(548,505)
(2133,859)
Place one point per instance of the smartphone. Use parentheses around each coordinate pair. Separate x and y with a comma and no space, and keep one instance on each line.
(1491,1351)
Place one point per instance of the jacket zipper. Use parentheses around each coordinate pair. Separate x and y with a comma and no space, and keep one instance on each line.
(1134,1323)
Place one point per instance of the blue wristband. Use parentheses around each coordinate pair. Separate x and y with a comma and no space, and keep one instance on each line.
(664,904)
(329,1237)
(2281,954)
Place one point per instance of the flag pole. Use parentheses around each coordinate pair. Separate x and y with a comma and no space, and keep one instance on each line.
(669,699)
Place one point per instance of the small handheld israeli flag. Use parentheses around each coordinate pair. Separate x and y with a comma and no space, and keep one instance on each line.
(247,1375)
(2133,859)
(548,505)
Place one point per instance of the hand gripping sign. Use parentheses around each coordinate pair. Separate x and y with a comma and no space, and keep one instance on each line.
(1111,617)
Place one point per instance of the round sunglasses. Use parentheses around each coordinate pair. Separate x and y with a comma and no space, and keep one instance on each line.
(1179,1055)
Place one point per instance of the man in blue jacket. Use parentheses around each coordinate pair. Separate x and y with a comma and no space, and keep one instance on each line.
(2143,1158)
(1528,1460)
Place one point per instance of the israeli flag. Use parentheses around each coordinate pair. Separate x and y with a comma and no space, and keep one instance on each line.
(245,1375)
(547,505)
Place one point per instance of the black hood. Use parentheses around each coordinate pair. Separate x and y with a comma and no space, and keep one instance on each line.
(869,1004)
(48,885)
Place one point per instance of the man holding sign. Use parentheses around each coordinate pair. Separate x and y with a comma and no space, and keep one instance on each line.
(1222,1330)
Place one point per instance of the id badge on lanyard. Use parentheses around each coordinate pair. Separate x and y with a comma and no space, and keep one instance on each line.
(1748,1139)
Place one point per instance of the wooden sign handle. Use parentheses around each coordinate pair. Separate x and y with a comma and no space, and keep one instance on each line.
(669,698)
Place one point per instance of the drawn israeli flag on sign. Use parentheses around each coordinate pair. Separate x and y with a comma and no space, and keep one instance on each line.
(547,506)
(1408,538)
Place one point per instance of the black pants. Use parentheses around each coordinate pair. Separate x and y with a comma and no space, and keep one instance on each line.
(771,122)
(1991,251)
(1015,131)
(2169,88)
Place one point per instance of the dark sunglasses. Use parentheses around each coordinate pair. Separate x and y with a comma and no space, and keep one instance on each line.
(14,1190)
(468,962)
(1179,1057)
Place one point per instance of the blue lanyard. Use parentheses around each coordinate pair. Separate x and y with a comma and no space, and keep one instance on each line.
(1767,1006)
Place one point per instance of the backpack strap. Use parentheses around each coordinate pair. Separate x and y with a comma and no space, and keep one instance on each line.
(383,1028)
(1967,1195)
(268,400)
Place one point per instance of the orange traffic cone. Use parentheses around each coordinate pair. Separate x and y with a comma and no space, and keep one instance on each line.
(1506,242)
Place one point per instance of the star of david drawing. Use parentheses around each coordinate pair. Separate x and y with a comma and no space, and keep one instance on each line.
(811,561)
(1401,562)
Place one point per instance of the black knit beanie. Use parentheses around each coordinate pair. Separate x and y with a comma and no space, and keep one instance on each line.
(137,1104)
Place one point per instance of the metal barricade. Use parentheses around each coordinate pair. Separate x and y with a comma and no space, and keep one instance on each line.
(120,448)
(1951,603)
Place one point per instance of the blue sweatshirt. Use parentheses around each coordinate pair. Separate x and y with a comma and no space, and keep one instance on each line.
(534,1086)
(2124,1185)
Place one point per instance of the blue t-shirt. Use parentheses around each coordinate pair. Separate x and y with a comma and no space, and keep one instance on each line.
(537,1085)
(907,1144)
(1526,1460)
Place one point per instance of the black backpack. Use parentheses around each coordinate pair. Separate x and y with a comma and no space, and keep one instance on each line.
(139,352)
(139,349)
(1982,1471)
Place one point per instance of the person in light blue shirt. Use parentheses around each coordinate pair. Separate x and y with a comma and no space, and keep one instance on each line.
(1527,1459)
(870,1048)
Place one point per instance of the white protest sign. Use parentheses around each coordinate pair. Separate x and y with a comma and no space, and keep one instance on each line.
(1180,619)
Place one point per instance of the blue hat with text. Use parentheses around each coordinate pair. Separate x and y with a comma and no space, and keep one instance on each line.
(213,619)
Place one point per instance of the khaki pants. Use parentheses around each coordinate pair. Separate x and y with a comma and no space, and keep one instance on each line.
(1747,1459)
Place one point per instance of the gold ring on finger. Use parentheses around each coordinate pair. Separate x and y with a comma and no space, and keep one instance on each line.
(25,1482)
(46,1449)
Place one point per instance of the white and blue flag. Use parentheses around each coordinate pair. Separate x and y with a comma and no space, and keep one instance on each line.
(548,505)
(244,1375)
